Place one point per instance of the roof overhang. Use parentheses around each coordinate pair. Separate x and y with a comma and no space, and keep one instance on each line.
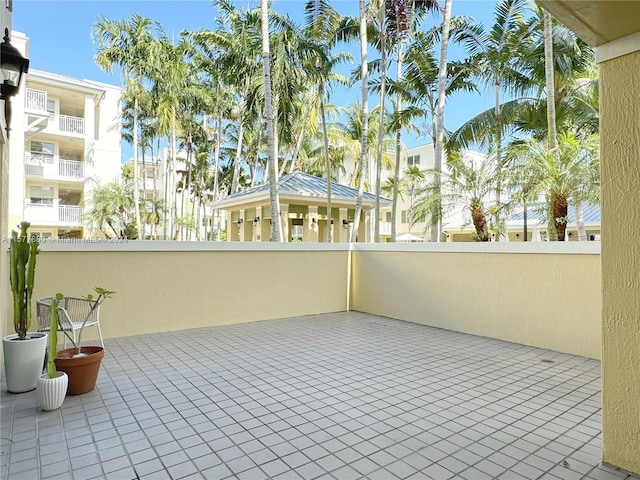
(289,197)
(597,22)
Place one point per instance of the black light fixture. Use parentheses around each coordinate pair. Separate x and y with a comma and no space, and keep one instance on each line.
(14,65)
(345,223)
(256,220)
(240,221)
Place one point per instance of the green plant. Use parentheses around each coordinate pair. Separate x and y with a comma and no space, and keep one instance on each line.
(53,337)
(23,251)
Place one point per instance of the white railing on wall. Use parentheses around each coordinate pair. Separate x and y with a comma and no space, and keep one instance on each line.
(36,100)
(52,167)
(52,213)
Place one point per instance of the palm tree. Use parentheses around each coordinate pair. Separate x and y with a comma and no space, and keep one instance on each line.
(276,232)
(364,79)
(402,15)
(494,55)
(442,85)
(570,173)
(323,26)
(466,183)
(128,44)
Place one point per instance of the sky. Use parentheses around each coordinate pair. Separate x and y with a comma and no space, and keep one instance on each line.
(60,38)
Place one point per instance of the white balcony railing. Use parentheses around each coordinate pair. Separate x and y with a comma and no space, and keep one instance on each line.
(69,214)
(36,100)
(52,167)
(69,124)
(52,213)
(71,169)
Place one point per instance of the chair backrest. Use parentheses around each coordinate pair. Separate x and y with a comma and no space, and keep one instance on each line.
(43,312)
(70,309)
(76,309)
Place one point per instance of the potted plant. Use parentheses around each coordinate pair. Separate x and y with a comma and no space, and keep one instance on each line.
(51,387)
(23,351)
(81,364)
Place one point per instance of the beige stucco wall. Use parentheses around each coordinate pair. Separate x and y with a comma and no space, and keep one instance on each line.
(620,166)
(549,300)
(190,285)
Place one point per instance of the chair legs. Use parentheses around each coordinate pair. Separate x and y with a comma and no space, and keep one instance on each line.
(100,334)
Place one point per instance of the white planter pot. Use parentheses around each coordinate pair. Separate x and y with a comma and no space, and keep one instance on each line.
(51,391)
(23,360)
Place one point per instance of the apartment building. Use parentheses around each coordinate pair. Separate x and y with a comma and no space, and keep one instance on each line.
(65,140)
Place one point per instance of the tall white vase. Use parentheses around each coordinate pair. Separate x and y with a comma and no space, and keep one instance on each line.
(23,360)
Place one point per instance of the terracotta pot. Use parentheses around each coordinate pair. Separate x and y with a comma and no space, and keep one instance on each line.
(82,371)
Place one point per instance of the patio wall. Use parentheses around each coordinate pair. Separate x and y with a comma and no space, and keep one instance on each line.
(164,286)
(545,295)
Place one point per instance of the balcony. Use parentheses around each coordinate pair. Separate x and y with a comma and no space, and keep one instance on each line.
(39,118)
(51,167)
(52,214)
(384,388)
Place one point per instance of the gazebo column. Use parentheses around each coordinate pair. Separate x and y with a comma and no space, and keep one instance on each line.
(340,230)
(257,226)
(311,225)
(241,226)
(284,224)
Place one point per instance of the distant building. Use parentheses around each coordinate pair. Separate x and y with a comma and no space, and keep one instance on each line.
(65,140)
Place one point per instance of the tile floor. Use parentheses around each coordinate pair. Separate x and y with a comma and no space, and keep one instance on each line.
(335,396)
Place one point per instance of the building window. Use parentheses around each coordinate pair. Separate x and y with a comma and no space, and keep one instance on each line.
(43,149)
(413,161)
(404,216)
(41,194)
(388,216)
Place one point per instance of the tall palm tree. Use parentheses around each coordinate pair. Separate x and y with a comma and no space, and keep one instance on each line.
(568,174)
(324,23)
(465,183)
(276,232)
(402,16)
(552,140)
(495,54)
(130,45)
(364,79)
(442,85)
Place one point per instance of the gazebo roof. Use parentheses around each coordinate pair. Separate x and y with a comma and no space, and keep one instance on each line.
(302,186)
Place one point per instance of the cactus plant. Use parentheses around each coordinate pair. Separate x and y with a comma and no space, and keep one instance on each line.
(53,336)
(23,251)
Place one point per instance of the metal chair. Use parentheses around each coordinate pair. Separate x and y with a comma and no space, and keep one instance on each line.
(72,311)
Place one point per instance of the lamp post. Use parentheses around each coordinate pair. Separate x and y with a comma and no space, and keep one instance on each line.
(14,65)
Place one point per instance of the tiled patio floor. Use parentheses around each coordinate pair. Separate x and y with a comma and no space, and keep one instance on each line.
(337,396)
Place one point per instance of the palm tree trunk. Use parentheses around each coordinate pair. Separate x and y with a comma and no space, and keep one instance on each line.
(383,78)
(365,118)
(398,146)
(136,185)
(276,232)
(552,139)
(439,144)
(303,129)
(216,175)
(325,141)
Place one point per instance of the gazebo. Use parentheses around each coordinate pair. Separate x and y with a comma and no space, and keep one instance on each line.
(303,208)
